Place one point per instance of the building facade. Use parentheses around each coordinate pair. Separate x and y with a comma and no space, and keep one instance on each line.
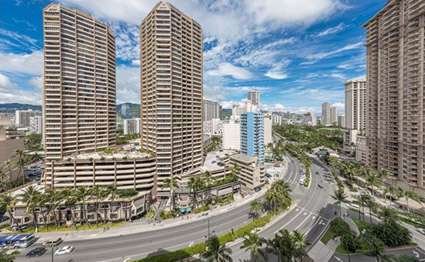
(231,136)
(171,91)
(268,126)
(22,117)
(355,104)
(395,99)
(79,83)
(326,114)
(252,135)
(211,110)
(254,97)
(36,124)
(333,116)
(251,174)
(131,126)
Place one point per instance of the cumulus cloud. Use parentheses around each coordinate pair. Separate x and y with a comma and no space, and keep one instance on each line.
(12,93)
(277,71)
(31,64)
(227,69)
(128,84)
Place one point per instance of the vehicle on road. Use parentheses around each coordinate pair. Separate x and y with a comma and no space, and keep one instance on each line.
(53,243)
(319,185)
(64,250)
(421,230)
(23,240)
(36,252)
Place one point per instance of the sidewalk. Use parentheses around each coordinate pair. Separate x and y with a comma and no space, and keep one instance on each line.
(140,226)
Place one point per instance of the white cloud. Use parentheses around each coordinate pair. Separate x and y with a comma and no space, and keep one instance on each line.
(11,93)
(313,58)
(17,39)
(31,64)
(332,30)
(128,84)
(277,71)
(227,69)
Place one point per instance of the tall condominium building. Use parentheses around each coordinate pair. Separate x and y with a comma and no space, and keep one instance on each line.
(254,97)
(211,110)
(395,99)
(171,90)
(355,104)
(36,124)
(131,126)
(232,136)
(268,129)
(79,83)
(326,114)
(334,115)
(252,134)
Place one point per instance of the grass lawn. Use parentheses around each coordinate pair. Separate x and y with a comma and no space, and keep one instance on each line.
(63,228)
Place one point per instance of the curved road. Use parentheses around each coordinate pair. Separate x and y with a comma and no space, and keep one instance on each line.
(302,217)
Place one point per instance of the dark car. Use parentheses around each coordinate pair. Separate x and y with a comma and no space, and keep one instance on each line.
(36,252)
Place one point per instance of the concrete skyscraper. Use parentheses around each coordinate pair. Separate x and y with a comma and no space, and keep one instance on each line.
(355,104)
(79,83)
(326,114)
(171,91)
(333,115)
(211,110)
(395,98)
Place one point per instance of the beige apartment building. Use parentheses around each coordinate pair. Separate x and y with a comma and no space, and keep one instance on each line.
(79,83)
(171,91)
(395,99)
(355,104)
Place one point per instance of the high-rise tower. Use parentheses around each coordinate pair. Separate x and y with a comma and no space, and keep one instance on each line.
(79,83)
(171,90)
(355,104)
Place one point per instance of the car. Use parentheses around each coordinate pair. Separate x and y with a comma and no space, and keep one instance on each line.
(421,230)
(64,250)
(54,243)
(36,252)
(319,185)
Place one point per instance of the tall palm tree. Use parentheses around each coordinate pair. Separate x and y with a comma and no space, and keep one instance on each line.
(195,184)
(340,197)
(99,193)
(216,252)
(20,163)
(287,246)
(9,202)
(81,194)
(71,199)
(253,243)
(31,198)
(172,184)
(388,214)
(373,180)
(255,208)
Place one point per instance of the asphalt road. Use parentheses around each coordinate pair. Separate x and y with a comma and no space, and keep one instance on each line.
(303,218)
(310,215)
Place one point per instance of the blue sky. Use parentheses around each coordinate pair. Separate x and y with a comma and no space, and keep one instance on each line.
(297,52)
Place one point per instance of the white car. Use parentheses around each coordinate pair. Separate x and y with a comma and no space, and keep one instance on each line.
(64,250)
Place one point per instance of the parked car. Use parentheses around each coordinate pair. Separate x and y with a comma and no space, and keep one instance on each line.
(64,250)
(36,252)
(54,243)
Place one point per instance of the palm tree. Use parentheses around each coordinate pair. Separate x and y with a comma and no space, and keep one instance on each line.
(278,196)
(195,184)
(253,243)
(172,184)
(70,200)
(388,214)
(20,163)
(81,194)
(216,252)
(371,205)
(340,197)
(255,208)
(287,246)
(9,202)
(31,197)
(363,200)
(373,180)
(99,193)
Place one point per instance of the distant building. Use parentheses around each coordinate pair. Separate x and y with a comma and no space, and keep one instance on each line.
(310,119)
(355,104)
(334,116)
(252,135)
(131,126)
(254,97)
(341,121)
(277,119)
(361,149)
(36,124)
(22,117)
(211,110)
(326,114)
(231,136)
(213,127)
(268,125)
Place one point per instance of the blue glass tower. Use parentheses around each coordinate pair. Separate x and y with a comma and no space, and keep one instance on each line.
(252,135)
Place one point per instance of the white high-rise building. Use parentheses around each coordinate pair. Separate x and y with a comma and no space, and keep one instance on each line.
(333,116)
(231,136)
(171,92)
(268,125)
(213,127)
(22,117)
(326,114)
(211,110)
(131,126)
(36,124)
(355,104)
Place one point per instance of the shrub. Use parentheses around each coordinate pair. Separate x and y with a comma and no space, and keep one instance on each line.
(349,242)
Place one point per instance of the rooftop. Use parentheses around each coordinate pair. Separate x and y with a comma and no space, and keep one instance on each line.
(213,159)
(245,158)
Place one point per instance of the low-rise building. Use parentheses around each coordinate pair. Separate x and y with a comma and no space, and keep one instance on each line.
(251,174)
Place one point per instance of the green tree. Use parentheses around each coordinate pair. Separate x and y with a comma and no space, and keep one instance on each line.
(21,160)
(31,197)
(9,203)
(172,184)
(278,196)
(81,193)
(217,252)
(340,197)
(7,255)
(255,208)
(287,246)
(253,243)
(374,245)
(195,184)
